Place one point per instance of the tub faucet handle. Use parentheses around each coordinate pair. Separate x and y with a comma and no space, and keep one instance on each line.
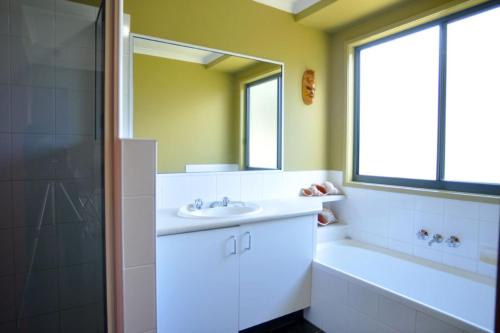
(436,238)
(422,234)
(198,204)
(453,241)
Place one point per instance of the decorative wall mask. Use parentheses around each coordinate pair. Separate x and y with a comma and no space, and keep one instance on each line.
(308,86)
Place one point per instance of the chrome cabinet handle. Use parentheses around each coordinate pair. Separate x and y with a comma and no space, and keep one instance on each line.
(234,246)
(249,246)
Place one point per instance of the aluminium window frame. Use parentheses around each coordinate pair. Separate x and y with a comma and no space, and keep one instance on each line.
(248,86)
(439,183)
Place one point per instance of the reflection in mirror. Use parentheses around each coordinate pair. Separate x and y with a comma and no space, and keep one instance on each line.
(262,113)
(208,110)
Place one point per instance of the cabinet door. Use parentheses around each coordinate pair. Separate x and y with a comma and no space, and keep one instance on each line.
(197,281)
(275,269)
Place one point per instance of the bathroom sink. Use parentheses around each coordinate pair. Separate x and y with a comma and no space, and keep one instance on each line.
(232,210)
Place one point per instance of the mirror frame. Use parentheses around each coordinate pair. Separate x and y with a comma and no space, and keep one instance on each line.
(127,132)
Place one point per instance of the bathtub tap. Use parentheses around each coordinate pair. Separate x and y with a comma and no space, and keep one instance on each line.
(436,238)
(453,241)
(422,234)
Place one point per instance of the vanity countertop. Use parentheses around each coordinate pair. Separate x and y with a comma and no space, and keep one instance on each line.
(168,222)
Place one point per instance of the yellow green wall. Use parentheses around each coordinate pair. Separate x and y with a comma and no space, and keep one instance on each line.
(339,66)
(247,27)
(188,109)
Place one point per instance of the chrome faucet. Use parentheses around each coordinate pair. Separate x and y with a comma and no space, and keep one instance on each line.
(436,238)
(453,241)
(198,204)
(224,203)
(422,234)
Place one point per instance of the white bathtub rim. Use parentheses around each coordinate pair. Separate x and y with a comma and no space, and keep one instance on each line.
(396,296)
(421,261)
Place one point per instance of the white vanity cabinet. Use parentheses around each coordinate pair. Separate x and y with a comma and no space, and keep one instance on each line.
(275,269)
(226,280)
(197,282)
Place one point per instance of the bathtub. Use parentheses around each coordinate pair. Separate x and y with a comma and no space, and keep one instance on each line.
(362,288)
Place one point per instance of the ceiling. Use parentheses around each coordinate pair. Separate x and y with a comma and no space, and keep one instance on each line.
(331,15)
(291,6)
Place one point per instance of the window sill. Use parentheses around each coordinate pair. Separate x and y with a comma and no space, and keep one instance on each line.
(426,192)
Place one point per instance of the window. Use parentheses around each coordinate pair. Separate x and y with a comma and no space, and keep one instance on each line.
(427,105)
(263,123)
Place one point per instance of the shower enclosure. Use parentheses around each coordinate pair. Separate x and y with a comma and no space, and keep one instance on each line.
(51,167)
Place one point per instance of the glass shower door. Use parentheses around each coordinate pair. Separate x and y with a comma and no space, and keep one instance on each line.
(51,183)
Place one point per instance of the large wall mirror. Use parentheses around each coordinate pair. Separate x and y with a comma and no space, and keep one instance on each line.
(209,110)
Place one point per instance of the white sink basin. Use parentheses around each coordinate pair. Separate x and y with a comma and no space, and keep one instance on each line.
(232,210)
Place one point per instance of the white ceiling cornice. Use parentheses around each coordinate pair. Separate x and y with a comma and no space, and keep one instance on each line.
(290,6)
(175,52)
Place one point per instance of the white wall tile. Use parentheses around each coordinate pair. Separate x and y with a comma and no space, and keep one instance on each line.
(139,228)
(397,315)
(461,208)
(203,187)
(401,225)
(429,204)
(272,185)
(173,191)
(251,186)
(429,324)
(467,230)
(399,200)
(328,309)
(336,318)
(362,299)
(293,182)
(489,212)
(403,247)
(139,167)
(360,323)
(332,287)
(229,185)
(140,299)
(488,234)
(487,269)
(368,237)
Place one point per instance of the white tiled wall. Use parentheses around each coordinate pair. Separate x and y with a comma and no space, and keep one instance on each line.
(139,235)
(382,218)
(392,220)
(175,190)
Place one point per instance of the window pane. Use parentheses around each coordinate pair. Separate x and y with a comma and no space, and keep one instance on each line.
(473,99)
(399,106)
(263,125)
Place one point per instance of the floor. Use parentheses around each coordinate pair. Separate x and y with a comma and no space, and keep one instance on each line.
(301,327)
(294,323)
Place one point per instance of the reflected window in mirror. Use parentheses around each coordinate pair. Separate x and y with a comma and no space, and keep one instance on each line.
(263,123)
